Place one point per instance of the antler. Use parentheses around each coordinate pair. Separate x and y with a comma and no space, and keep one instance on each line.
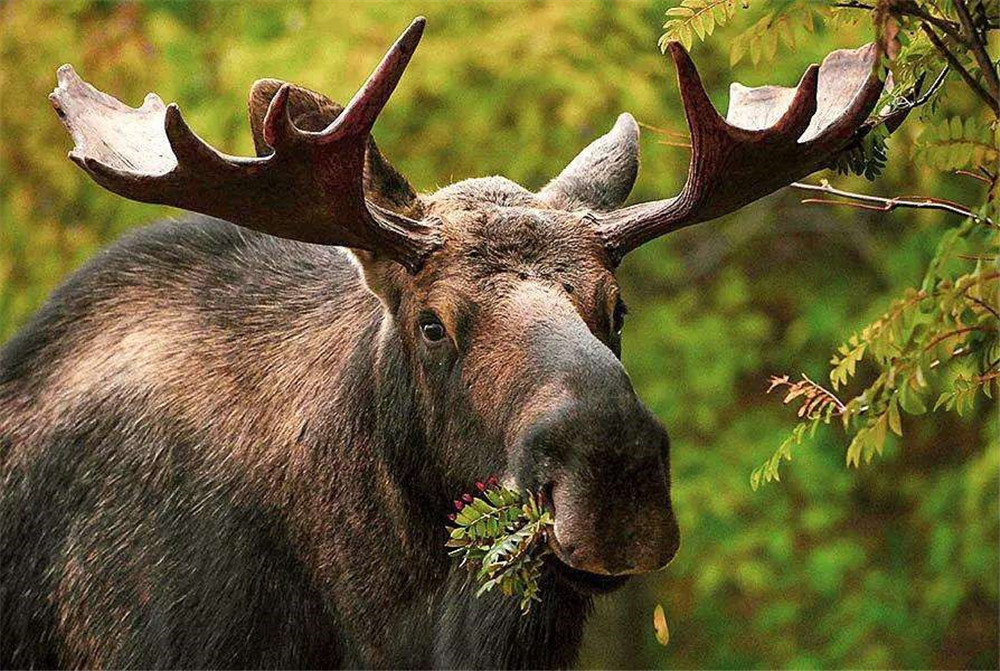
(771,137)
(310,188)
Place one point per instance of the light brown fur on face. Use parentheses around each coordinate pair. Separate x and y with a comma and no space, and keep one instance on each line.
(493,252)
(510,263)
(527,381)
(494,245)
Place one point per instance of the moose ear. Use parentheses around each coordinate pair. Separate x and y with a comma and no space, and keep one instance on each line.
(311,111)
(602,175)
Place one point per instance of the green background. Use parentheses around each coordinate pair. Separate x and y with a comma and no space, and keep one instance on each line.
(894,564)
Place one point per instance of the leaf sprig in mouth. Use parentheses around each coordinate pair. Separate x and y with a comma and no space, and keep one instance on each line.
(500,536)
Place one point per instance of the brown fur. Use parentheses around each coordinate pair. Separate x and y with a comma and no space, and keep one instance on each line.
(222,449)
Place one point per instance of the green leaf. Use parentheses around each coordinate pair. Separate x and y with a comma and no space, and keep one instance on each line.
(894,420)
(500,538)
(696,18)
(855,449)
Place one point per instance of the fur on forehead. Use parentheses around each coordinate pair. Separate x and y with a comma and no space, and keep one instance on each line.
(473,193)
(492,225)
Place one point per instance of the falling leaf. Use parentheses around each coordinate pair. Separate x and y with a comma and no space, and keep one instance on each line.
(660,626)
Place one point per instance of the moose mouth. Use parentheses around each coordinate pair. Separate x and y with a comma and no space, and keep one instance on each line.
(585,582)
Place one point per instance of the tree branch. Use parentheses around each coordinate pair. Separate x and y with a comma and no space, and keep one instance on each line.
(833,397)
(938,81)
(992,102)
(976,176)
(912,9)
(978,48)
(956,332)
(888,204)
(903,105)
(992,375)
(949,28)
(984,304)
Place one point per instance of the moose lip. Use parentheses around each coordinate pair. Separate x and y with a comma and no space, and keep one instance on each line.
(585,582)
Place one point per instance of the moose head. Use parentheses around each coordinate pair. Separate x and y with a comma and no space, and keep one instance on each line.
(503,301)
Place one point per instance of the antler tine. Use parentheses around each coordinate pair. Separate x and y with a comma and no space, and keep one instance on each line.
(360,113)
(771,137)
(311,188)
(278,126)
(795,121)
(701,114)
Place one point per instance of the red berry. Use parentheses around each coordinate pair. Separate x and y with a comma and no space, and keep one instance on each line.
(459,505)
(467,498)
(451,516)
(492,481)
(480,486)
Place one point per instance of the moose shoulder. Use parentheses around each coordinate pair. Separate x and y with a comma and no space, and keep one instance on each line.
(232,440)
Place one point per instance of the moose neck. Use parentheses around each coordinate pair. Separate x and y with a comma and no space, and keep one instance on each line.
(491,632)
(385,430)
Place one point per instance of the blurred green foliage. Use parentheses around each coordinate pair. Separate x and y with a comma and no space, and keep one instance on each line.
(889,565)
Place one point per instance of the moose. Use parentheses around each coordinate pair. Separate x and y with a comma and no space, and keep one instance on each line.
(232,440)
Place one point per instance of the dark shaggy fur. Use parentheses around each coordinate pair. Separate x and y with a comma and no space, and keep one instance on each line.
(134,532)
(219,449)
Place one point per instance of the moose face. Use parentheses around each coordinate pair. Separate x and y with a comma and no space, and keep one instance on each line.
(505,300)
(514,331)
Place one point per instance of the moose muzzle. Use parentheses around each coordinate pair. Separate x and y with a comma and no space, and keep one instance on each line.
(610,492)
(602,461)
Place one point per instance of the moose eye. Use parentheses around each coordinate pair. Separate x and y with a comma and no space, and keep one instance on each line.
(618,318)
(431,328)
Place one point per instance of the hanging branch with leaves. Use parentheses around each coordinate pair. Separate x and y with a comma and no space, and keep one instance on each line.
(937,346)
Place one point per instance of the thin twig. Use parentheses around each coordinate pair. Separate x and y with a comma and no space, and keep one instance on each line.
(938,81)
(686,145)
(984,304)
(981,178)
(840,404)
(978,48)
(815,397)
(991,102)
(932,199)
(830,201)
(977,257)
(992,375)
(909,8)
(961,351)
(902,106)
(949,28)
(956,332)
(887,204)
(662,131)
